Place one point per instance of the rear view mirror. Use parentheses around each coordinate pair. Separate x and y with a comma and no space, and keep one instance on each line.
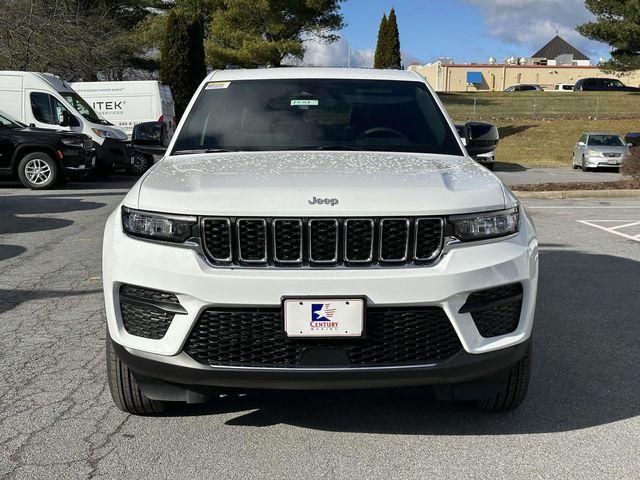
(150,137)
(479,137)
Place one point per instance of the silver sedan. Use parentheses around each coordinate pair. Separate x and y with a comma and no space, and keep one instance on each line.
(597,149)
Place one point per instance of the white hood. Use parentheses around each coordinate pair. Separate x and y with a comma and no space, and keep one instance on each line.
(282,184)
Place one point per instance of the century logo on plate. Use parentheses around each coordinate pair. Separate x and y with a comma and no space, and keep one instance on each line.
(322,317)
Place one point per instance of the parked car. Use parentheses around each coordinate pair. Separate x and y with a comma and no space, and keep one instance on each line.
(41,157)
(603,85)
(45,101)
(597,149)
(487,159)
(562,87)
(318,229)
(522,87)
(632,139)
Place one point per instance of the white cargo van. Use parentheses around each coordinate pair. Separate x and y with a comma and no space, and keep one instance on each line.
(45,101)
(129,103)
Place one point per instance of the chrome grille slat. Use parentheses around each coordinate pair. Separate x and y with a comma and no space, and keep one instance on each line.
(252,240)
(428,238)
(394,240)
(322,242)
(358,250)
(287,239)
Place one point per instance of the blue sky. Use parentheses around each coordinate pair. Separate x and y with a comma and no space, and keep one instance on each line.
(465,30)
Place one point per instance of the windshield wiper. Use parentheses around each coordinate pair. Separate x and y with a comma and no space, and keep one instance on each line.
(201,150)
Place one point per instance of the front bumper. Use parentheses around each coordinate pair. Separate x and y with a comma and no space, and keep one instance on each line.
(595,162)
(462,270)
(112,152)
(78,160)
(183,372)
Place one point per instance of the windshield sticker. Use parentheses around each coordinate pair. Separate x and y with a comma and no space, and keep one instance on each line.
(304,103)
(217,85)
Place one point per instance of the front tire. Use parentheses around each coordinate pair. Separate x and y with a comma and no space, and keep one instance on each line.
(141,164)
(125,391)
(38,171)
(514,389)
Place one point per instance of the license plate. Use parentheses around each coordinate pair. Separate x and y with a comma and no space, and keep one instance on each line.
(613,162)
(324,317)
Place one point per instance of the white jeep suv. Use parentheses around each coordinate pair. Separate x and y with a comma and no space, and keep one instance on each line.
(318,229)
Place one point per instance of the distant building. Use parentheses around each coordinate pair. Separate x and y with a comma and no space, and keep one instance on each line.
(556,62)
(559,52)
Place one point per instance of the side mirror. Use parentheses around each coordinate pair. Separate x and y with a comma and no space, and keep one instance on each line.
(150,137)
(581,144)
(479,137)
(66,119)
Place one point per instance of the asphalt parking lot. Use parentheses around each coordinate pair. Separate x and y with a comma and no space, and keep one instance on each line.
(580,420)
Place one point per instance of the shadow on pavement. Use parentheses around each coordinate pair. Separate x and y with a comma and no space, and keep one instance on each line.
(509,167)
(10,251)
(9,299)
(585,370)
(11,207)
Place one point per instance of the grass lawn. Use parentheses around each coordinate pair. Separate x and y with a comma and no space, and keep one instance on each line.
(546,137)
(550,143)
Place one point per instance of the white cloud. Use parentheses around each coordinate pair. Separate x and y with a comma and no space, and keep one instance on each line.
(334,54)
(337,54)
(533,23)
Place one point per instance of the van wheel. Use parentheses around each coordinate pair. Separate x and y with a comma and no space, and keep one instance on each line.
(141,163)
(125,391)
(38,171)
(514,389)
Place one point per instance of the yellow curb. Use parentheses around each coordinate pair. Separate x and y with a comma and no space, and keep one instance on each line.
(580,194)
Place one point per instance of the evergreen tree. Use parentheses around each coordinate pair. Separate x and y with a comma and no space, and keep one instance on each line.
(393,46)
(380,54)
(182,58)
(617,23)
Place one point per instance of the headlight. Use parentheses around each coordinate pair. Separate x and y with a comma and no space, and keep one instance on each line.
(156,226)
(104,133)
(485,225)
(72,141)
(593,153)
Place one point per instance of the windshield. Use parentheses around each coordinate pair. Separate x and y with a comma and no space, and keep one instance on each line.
(81,106)
(299,114)
(606,141)
(9,122)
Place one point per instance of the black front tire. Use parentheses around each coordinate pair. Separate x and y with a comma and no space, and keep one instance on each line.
(514,389)
(38,171)
(125,391)
(141,164)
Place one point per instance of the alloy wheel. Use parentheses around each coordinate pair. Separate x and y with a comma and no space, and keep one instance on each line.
(37,171)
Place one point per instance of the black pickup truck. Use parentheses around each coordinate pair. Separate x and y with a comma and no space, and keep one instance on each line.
(40,158)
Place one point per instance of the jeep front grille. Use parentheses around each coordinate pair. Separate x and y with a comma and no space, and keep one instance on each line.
(322,242)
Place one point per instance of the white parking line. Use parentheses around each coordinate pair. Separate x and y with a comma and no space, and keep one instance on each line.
(613,230)
(625,225)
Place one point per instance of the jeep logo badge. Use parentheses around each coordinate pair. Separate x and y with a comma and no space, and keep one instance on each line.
(324,201)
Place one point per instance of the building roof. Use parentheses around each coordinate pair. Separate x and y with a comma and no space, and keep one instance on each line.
(559,46)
